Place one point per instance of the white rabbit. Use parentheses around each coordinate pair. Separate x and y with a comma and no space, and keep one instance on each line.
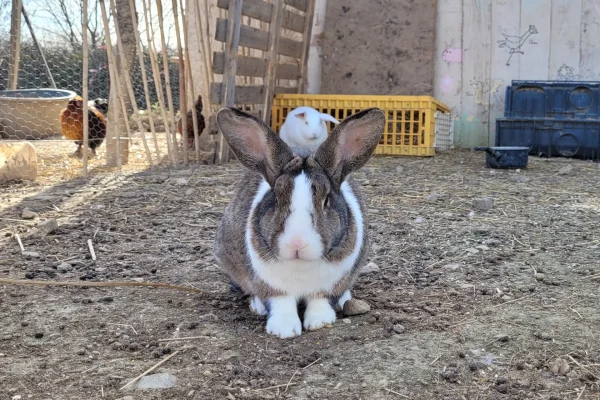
(296,228)
(305,128)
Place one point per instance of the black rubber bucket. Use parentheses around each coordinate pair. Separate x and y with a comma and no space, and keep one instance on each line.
(505,157)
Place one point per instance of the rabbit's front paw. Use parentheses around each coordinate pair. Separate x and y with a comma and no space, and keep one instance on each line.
(284,325)
(257,306)
(318,314)
(283,318)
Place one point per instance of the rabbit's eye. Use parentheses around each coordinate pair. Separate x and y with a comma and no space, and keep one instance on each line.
(326,202)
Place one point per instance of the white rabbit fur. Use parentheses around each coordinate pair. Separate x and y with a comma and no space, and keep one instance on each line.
(306,128)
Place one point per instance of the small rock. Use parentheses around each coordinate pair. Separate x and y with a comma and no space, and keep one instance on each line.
(433,197)
(369,268)
(81,352)
(543,336)
(399,169)
(191,393)
(107,299)
(519,179)
(32,254)
(347,321)
(64,267)
(419,220)
(399,328)
(503,388)
(483,203)
(476,365)
(472,250)
(133,347)
(39,335)
(44,228)
(539,276)
(16,397)
(181,182)
(24,323)
(28,214)
(355,307)
(503,338)
(156,381)
(207,373)
(567,169)
(138,279)
(452,267)
(559,366)
(482,247)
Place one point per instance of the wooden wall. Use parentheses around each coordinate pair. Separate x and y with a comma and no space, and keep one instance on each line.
(549,39)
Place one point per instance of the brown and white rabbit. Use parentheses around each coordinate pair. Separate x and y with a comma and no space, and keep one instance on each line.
(295,229)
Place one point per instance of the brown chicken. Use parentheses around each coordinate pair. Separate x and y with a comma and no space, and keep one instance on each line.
(190,122)
(71,124)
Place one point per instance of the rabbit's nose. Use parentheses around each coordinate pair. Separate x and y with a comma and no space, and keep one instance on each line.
(296,244)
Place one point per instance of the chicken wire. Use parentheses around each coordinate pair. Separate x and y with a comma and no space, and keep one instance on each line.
(32,111)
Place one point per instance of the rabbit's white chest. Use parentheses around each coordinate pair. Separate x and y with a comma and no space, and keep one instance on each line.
(298,277)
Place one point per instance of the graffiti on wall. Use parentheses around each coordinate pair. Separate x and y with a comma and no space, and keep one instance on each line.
(514,44)
(453,56)
(565,73)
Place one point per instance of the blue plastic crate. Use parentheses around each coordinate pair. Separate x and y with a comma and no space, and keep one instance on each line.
(553,99)
(551,137)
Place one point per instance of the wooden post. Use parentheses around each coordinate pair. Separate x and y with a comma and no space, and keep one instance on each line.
(140,53)
(129,86)
(188,66)
(182,88)
(15,45)
(114,90)
(271,67)
(308,23)
(234,22)
(84,83)
(158,85)
(167,77)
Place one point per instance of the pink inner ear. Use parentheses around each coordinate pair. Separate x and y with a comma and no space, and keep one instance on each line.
(252,136)
(301,115)
(353,143)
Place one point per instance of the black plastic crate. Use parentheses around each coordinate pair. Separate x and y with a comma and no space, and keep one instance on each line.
(553,99)
(551,137)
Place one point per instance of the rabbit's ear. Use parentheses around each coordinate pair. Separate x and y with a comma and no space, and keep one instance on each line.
(300,115)
(351,143)
(254,144)
(328,118)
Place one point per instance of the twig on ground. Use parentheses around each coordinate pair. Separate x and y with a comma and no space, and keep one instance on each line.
(91,247)
(19,241)
(275,387)
(184,338)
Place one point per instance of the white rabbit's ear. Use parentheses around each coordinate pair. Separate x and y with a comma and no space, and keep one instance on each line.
(329,118)
(301,115)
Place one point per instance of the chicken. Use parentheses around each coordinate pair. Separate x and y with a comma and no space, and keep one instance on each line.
(71,123)
(190,122)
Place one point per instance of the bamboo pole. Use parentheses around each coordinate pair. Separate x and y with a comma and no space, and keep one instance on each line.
(190,79)
(205,40)
(158,84)
(128,85)
(84,86)
(37,44)
(167,75)
(144,78)
(182,85)
(114,80)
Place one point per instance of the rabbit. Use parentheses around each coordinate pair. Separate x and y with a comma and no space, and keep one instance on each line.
(305,128)
(295,229)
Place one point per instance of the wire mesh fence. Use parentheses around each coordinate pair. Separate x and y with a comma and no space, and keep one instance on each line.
(133,82)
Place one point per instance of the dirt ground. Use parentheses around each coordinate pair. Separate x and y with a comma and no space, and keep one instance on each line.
(465,304)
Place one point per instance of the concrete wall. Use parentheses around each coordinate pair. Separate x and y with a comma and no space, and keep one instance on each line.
(379,47)
(548,39)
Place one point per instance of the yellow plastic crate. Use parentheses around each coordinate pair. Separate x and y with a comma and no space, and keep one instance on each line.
(411,120)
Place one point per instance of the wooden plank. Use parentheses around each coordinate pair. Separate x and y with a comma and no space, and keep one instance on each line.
(565,39)
(589,65)
(258,39)
(535,47)
(505,22)
(261,10)
(15,45)
(255,67)
(307,35)
(301,5)
(271,68)
(245,94)
(476,69)
(232,41)
(449,57)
